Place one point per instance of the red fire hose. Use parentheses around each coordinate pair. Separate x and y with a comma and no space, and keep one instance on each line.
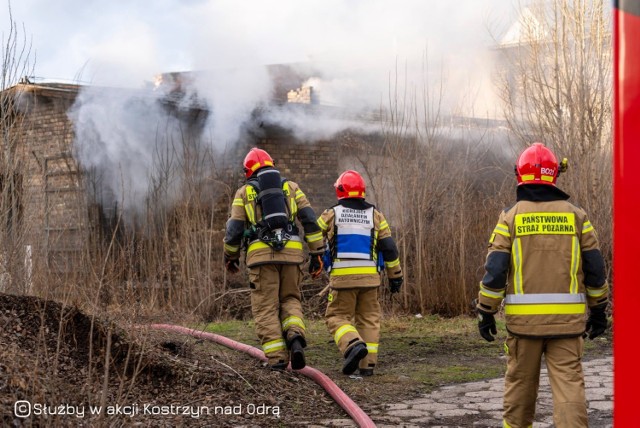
(356,413)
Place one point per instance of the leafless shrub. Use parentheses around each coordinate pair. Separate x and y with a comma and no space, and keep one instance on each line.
(447,196)
(440,181)
(17,62)
(166,256)
(555,81)
(445,183)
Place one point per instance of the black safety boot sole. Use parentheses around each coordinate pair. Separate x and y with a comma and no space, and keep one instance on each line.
(366,372)
(297,355)
(353,357)
(279,366)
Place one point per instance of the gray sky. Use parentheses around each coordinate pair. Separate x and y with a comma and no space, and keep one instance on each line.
(125,43)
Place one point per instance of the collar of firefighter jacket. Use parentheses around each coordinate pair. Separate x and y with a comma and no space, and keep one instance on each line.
(355,203)
(540,193)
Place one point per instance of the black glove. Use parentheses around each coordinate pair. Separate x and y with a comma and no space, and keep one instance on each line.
(395,284)
(232,265)
(597,322)
(315,265)
(487,325)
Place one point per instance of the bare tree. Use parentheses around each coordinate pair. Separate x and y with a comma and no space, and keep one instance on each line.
(436,177)
(555,81)
(16,66)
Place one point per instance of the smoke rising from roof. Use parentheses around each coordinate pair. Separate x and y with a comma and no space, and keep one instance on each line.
(358,50)
(123,139)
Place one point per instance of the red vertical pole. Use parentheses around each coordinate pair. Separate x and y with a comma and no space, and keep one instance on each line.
(626,209)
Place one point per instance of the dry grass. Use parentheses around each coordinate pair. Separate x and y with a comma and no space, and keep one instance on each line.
(59,355)
(440,183)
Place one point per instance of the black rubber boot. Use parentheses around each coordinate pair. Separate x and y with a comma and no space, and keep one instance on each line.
(366,372)
(353,356)
(279,366)
(296,346)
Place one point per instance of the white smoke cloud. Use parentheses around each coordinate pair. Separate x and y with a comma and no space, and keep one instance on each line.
(127,141)
(231,96)
(358,50)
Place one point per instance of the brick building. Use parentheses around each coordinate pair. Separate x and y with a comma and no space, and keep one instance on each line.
(53,207)
(58,212)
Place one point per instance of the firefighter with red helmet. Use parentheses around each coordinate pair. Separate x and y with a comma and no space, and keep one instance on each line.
(360,245)
(263,221)
(545,264)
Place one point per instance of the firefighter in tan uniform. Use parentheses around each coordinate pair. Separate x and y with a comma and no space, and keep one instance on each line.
(358,236)
(263,214)
(544,262)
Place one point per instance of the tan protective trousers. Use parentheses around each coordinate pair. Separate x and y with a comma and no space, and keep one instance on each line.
(276,308)
(564,365)
(353,314)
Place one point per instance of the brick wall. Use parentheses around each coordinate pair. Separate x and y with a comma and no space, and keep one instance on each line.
(314,166)
(53,199)
(55,202)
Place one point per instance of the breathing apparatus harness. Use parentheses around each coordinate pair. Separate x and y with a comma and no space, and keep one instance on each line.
(274,229)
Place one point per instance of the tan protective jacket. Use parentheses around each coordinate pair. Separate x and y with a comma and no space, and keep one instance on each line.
(544,261)
(246,212)
(352,273)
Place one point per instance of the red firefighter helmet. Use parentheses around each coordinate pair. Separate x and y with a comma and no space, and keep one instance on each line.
(350,184)
(256,159)
(537,165)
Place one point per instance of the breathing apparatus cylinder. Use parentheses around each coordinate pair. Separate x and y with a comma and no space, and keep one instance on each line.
(274,226)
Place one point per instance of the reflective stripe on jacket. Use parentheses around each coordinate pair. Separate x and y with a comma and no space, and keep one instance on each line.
(535,263)
(355,236)
(246,212)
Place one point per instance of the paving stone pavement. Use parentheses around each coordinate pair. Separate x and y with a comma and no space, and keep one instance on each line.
(479,404)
